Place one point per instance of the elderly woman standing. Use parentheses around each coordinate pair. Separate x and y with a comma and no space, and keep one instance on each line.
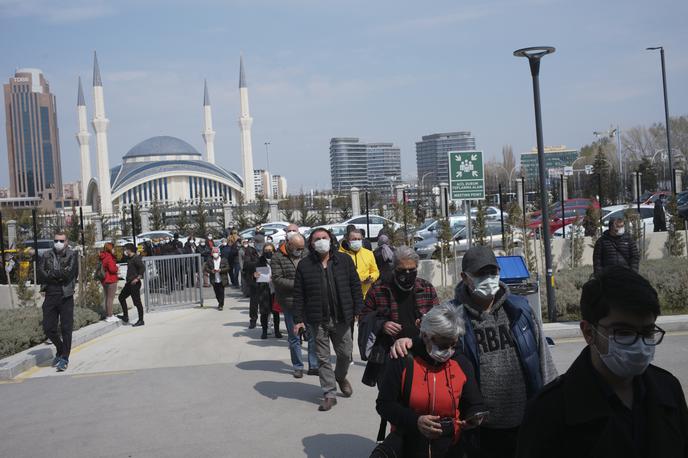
(384,257)
(110,279)
(430,396)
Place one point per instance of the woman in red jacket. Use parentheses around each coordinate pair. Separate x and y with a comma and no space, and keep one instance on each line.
(107,259)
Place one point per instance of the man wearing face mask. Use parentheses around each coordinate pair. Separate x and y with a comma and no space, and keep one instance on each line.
(57,272)
(615,248)
(284,265)
(363,259)
(505,343)
(611,402)
(327,296)
(397,304)
(252,254)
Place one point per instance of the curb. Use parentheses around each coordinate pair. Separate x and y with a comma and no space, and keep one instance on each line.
(571,330)
(14,365)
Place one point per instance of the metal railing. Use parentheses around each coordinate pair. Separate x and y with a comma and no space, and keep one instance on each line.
(173,281)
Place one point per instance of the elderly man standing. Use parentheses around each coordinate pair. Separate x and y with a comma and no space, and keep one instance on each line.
(327,295)
(363,259)
(615,248)
(505,343)
(57,272)
(284,265)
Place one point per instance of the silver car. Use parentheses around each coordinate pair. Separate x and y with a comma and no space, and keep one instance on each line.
(430,248)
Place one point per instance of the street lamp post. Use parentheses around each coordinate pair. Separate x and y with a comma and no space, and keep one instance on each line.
(534,55)
(267,155)
(666,117)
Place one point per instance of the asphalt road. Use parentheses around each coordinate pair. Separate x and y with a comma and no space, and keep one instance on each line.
(197,383)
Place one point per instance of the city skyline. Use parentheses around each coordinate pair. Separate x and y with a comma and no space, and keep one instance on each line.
(305,90)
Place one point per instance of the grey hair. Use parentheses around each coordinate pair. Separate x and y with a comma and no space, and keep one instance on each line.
(404,253)
(443,321)
(295,236)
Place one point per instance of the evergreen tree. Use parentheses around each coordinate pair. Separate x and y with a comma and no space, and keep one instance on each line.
(262,211)
(183,225)
(480,227)
(343,205)
(157,214)
(240,216)
(74,230)
(675,243)
(201,217)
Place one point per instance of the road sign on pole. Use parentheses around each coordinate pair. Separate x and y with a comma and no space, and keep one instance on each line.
(466,175)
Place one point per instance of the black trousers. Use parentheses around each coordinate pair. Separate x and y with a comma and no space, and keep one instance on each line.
(219,289)
(491,443)
(58,308)
(254,302)
(133,290)
(275,319)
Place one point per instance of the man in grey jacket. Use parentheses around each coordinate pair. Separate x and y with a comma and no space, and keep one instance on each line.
(57,272)
(283,266)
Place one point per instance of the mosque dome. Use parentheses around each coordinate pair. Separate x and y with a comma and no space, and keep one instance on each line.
(162,146)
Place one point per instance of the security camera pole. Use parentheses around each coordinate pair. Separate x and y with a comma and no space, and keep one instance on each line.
(534,55)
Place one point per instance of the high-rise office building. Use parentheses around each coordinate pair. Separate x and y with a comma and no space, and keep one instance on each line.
(279,187)
(431,155)
(262,183)
(33,145)
(367,166)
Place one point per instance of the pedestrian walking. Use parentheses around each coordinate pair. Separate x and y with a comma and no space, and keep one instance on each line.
(612,402)
(384,257)
(327,296)
(659,216)
(109,279)
(217,269)
(393,309)
(363,259)
(615,248)
(505,343)
(284,265)
(265,294)
(429,397)
(132,286)
(57,272)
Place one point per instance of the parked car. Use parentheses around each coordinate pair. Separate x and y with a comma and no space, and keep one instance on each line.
(338,230)
(430,231)
(569,203)
(556,222)
(649,198)
(376,224)
(430,248)
(617,211)
(278,235)
(158,235)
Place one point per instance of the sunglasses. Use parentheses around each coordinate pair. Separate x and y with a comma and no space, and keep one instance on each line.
(59,241)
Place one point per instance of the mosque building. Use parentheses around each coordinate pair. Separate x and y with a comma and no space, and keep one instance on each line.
(162,168)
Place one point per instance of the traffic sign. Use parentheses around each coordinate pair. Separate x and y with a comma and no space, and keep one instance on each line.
(568,171)
(588,169)
(466,175)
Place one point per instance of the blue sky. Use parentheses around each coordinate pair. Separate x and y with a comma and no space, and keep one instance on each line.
(379,70)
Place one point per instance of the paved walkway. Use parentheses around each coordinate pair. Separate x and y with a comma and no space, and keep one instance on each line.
(196,383)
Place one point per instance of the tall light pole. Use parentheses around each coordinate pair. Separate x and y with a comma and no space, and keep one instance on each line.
(666,117)
(534,55)
(267,156)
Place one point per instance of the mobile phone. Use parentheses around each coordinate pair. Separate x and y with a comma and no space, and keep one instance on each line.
(477,418)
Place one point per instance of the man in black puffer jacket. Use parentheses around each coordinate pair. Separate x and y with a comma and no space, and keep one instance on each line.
(327,296)
(615,248)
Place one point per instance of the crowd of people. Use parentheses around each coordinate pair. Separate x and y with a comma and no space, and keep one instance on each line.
(470,377)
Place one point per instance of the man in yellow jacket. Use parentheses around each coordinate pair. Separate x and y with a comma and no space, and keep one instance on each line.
(363,258)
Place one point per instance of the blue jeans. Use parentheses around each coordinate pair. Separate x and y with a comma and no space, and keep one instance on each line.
(295,345)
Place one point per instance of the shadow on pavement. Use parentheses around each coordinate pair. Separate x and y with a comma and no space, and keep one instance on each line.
(290,390)
(337,446)
(240,324)
(265,365)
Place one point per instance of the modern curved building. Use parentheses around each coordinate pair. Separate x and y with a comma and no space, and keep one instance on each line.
(168,169)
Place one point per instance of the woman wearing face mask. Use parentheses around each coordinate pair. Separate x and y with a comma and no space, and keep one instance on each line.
(109,280)
(264,295)
(393,309)
(430,396)
(217,269)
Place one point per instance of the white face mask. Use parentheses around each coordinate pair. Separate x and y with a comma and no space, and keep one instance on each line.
(485,286)
(626,361)
(216,255)
(356,244)
(322,246)
(297,253)
(620,231)
(59,246)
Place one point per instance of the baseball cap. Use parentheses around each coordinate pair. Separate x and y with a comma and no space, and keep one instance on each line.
(478,257)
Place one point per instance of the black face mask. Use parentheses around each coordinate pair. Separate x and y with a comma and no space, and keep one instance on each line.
(268,255)
(405,279)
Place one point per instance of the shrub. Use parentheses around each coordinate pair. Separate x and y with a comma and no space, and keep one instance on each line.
(22,328)
(668,276)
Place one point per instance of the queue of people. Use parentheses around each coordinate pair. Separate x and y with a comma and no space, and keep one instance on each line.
(472,377)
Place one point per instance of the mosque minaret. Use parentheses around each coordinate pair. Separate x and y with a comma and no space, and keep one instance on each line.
(82,137)
(100,126)
(245,122)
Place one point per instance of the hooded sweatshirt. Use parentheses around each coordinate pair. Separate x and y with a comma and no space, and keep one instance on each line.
(502,382)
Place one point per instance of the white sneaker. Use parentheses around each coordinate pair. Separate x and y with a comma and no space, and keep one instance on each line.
(111,319)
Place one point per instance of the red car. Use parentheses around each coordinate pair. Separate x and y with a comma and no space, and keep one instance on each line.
(571,215)
(569,203)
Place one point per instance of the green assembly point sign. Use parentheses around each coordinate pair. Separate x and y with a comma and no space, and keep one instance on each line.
(466,175)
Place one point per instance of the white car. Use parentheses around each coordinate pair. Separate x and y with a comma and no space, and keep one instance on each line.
(616,211)
(158,235)
(278,235)
(376,224)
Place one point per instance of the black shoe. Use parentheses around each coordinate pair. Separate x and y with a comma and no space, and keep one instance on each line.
(264,335)
(138,323)
(124,318)
(278,334)
(313,372)
(298,373)
(252,324)
(220,307)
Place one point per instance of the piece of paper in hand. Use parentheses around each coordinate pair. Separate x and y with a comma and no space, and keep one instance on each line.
(265,274)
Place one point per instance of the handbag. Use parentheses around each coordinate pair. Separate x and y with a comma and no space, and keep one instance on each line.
(275,305)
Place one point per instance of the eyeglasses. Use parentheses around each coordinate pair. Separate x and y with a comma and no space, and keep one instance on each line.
(622,336)
(406,271)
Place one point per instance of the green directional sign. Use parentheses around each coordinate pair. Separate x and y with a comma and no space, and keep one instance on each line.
(466,175)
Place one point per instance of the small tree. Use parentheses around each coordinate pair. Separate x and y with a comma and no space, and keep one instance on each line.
(480,230)
(514,220)
(444,237)
(124,223)
(577,244)
(74,230)
(288,207)
(591,221)
(183,225)
(320,205)
(305,220)
(674,244)
(201,217)
(343,205)
(634,227)
(240,216)
(261,212)
(157,214)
